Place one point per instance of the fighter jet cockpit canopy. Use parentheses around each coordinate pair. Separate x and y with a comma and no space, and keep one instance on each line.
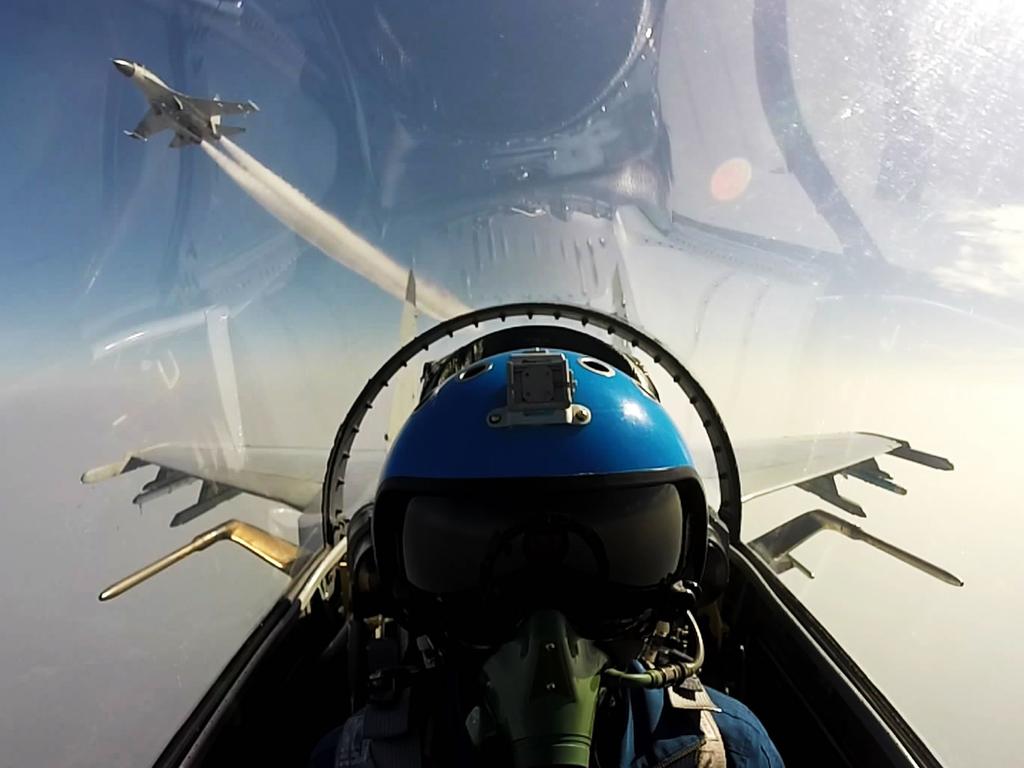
(487,84)
(815,209)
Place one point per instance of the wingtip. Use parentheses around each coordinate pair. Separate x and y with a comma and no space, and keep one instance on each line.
(99,474)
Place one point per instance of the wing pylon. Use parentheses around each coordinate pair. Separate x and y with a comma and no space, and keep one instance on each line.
(776,546)
(812,464)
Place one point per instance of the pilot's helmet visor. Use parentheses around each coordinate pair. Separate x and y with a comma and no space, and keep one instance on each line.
(578,552)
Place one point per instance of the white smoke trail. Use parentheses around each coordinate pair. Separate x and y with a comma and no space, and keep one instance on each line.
(326,232)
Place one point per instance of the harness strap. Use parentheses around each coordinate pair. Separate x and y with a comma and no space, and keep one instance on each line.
(712,752)
(691,695)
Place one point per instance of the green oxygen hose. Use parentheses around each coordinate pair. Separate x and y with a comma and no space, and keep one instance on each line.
(659,677)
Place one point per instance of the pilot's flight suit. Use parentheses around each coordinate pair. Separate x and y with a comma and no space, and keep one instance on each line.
(684,727)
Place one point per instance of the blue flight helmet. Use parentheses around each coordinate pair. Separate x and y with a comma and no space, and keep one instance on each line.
(540,478)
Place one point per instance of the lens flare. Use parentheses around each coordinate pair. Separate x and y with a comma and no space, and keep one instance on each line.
(730,179)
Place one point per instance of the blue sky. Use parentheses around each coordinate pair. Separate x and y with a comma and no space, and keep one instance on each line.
(94,224)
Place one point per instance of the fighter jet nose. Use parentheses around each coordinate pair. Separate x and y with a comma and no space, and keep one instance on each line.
(126,68)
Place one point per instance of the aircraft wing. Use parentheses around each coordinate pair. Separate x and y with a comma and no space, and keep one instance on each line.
(292,476)
(150,124)
(211,107)
(812,463)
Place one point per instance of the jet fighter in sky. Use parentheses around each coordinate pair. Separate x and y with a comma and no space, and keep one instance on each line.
(192,119)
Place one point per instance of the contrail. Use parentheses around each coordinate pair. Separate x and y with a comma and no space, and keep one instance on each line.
(326,232)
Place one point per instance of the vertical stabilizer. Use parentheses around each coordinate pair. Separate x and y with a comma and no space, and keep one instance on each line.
(622,300)
(404,384)
(218,334)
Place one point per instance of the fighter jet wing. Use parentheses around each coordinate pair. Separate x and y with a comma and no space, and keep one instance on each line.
(812,463)
(211,107)
(291,476)
(150,124)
